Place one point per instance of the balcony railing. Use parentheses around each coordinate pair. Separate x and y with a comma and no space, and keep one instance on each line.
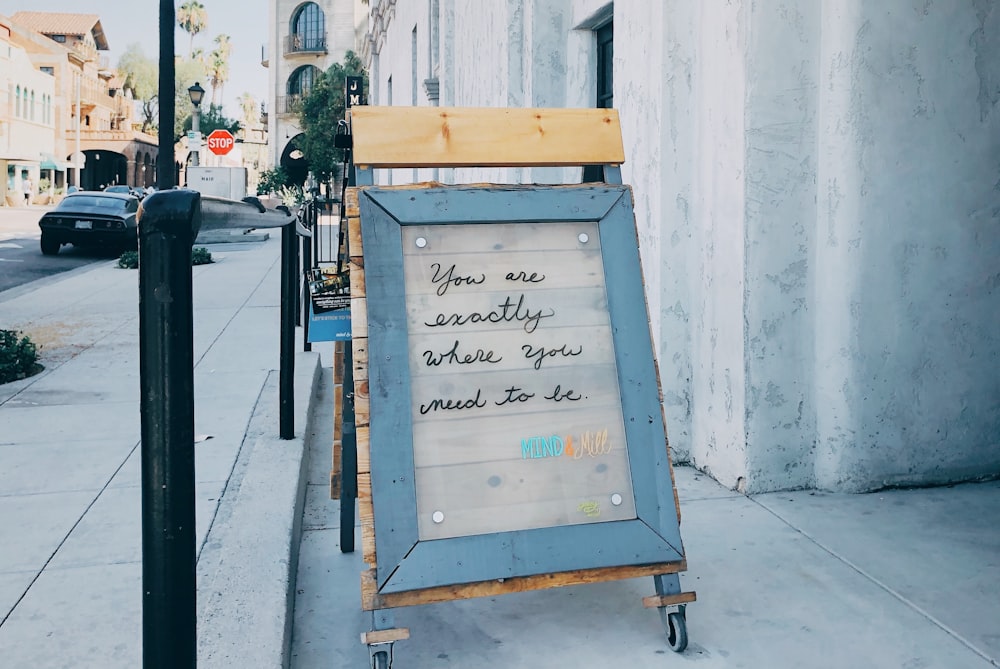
(288,104)
(305,44)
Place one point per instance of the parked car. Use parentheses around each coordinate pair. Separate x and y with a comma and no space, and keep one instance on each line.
(134,191)
(90,218)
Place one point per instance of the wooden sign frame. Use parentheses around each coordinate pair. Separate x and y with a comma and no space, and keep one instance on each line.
(404,561)
(405,571)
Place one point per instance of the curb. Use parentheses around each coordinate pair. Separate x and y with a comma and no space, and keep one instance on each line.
(246,572)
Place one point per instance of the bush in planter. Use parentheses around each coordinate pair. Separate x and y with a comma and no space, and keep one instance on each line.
(129,260)
(199,256)
(18,357)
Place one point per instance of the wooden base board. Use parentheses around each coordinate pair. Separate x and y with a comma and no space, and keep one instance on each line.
(372,600)
(385,636)
(656,601)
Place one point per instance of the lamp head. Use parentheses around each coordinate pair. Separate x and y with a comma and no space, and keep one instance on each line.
(196,93)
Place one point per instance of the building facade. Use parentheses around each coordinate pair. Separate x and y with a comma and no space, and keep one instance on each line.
(27,121)
(92,116)
(817,201)
(306,38)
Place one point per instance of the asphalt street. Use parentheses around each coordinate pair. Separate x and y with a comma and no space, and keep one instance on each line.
(21,260)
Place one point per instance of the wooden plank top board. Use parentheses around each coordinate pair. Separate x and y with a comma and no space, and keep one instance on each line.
(485,137)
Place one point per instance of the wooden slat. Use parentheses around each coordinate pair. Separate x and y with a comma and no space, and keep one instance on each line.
(385,636)
(371,599)
(351,202)
(656,601)
(354,243)
(360,359)
(367,518)
(359,317)
(485,137)
(356,266)
(364,450)
(338,362)
(362,404)
(338,409)
(335,471)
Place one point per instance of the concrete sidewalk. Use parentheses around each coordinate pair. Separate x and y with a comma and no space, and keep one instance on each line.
(70,566)
(902,578)
(895,579)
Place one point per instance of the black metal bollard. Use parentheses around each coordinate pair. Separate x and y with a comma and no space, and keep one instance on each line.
(167,229)
(307,262)
(286,375)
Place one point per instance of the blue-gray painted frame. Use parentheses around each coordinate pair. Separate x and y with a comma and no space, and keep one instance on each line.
(405,562)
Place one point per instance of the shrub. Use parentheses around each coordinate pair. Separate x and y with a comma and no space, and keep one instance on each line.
(129,260)
(18,357)
(199,256)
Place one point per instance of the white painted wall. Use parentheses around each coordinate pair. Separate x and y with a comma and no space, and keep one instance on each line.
(817,194)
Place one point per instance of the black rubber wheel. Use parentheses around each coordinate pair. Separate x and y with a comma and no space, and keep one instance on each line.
(677,636)
(380,660)
(50,247)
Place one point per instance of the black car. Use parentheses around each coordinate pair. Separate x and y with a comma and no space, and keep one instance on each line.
(90,218)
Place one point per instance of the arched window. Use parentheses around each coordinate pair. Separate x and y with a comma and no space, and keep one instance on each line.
(32,107)
(302,80)
(308,28)
(17,102)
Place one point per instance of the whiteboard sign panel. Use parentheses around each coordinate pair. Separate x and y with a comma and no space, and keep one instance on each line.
(515,400)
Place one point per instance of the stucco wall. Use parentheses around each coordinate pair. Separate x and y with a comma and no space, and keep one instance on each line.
(909,213)
(781,115)
(817,193)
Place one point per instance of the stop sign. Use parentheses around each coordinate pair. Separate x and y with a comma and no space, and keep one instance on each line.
(220,142)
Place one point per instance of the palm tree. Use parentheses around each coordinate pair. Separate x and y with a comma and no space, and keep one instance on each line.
(218,68)
(192,17)
(248,107)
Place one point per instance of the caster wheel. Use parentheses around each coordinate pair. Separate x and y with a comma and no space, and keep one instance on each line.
(380,660)
(677,636)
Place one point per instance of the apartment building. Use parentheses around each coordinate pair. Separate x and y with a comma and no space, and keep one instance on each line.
(27,121)
(95,143)
(306,38)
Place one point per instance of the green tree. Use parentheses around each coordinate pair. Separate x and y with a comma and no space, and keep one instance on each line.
(192,17)
(211,119)
(320,111)
(141,76)
(249,109)
(186,72)
(272,181)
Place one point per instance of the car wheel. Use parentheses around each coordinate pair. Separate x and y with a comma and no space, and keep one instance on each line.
(50,246)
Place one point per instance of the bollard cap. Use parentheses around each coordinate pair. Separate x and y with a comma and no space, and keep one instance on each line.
(175,212)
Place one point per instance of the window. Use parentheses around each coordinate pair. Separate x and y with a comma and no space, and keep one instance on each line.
(308,28)
(59,38)
(605,86)
(302,80)
(17,102)
(605,66)
(48,70)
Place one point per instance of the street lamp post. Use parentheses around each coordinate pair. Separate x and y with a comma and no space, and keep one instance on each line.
(196,93)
